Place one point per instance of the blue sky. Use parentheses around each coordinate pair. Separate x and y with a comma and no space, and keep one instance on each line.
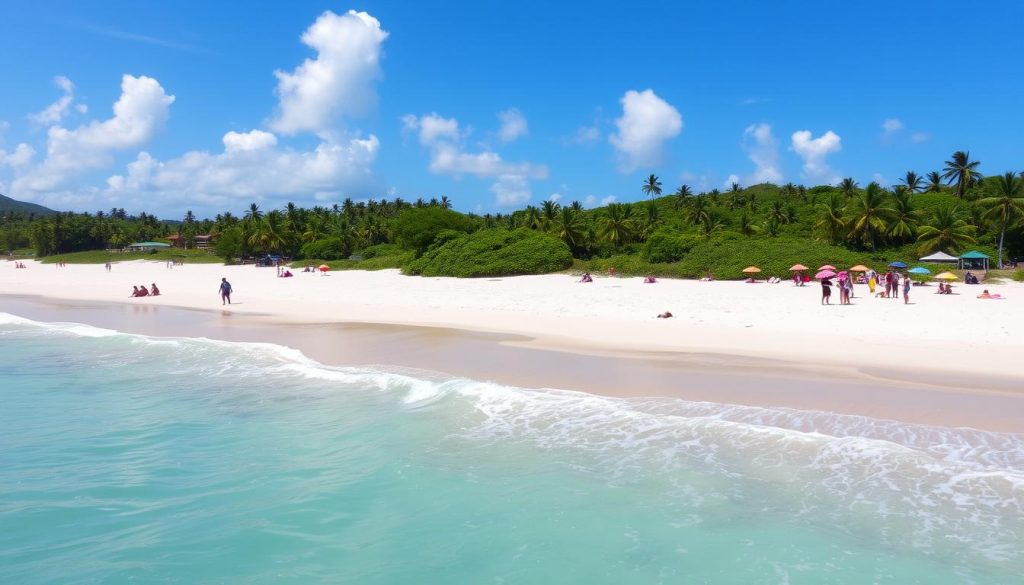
(494,104)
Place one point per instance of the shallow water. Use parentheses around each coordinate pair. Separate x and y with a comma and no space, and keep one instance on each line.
(129,459)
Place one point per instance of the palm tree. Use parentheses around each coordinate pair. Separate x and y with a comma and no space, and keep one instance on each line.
(962,171)
(772,227)
(1006,207)
(746,226)
(710,226)
(831,221)
(934,182)
(778,212)
(445,202)
(682,194)
(533,217)
(576,206)
(652,221)
(697,211)
(912,181)
(618,224)
(871,215)
(253,214)
(848,187)
(549,209)
(652,186)
(904,222)
(946,231)
(569,228)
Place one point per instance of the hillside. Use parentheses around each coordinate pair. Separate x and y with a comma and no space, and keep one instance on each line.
(8,205)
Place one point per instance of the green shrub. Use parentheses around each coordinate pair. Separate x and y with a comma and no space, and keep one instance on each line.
(333,248)
(415,229)
(493,253)
(667,246)
(380,250)
(726,259)
(1019,276)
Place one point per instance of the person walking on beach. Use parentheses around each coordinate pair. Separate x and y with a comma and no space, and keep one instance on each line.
(225,291)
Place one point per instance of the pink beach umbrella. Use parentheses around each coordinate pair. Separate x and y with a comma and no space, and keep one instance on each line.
(824,274)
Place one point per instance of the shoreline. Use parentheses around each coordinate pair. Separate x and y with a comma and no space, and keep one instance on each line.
(990,403)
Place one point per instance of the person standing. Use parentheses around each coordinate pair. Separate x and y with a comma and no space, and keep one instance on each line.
(906,289)
(826,291)
(225,291)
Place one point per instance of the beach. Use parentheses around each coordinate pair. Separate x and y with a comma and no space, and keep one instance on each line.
(943,359)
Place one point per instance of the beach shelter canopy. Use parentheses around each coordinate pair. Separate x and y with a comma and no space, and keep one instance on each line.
(897,264)
(859,268)
(751,270)
(919,270)
(147,245)
(947,276)
(798,267)
(974,260)
(938,257)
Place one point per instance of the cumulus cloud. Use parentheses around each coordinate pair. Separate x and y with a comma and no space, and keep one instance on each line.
(555,197)
(591,201)
(56,111)
(139,113)
(647,122)
(814,152)
(730,180)
(339,81)
(19,157)
(251,166)
(449,156)
(891,126)
(763,151)
(513,125)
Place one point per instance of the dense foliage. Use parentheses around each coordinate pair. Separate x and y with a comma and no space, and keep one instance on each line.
(493,252)
(682,233)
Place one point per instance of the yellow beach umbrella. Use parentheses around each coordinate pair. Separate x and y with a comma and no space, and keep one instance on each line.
(751,270)
(946,276)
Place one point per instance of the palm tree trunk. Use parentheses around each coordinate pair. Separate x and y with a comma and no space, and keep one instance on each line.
(1002,234)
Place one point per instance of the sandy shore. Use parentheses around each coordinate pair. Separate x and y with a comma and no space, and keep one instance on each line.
(939,350)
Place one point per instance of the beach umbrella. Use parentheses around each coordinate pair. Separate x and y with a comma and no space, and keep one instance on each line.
(324,268)
(919,270)
(824,274)
(796,267)
(897,264)
(751,270)
(859,268)
(947,276)
(827,267)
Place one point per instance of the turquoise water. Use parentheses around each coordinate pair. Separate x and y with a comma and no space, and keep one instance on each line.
(127,459)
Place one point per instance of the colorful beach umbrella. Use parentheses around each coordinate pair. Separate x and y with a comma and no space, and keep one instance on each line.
(897,264)
(824,274)
(796,267)
(947,276)
(919,270)
(859,268)
(751,270)
(827,267)
(324,268)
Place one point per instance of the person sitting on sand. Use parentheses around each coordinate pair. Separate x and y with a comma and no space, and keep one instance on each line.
(287,273)
(154,292)
(665,315)
(708,278)
(135,291)
(143,291)
(649,279)
(587,277)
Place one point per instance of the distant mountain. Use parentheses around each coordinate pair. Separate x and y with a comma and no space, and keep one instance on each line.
(21,207)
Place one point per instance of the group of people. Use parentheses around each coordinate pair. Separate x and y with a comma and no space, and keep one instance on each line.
(284,272)
(844,281)
(969,278)
(142,291)
(945,289)
(20,265)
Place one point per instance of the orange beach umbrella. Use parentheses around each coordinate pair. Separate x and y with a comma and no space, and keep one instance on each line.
(796,267)
(859,268)
(827,267)
(751,270)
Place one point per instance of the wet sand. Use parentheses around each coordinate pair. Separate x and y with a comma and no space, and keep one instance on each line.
(990,403)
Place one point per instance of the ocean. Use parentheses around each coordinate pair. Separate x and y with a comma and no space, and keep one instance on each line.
(134,459)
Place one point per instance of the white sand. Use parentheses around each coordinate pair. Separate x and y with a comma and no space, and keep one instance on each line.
(958,333)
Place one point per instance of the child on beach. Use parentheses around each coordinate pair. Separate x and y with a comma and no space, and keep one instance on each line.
(225,291)
(906,289)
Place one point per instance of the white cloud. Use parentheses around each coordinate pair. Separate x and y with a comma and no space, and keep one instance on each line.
(730,180)
(647,122)
(251,167)
(339,81)
(21,156)
(432,128)
(878,178)
(448,156)
(139,114)
(814,152)
(511,190)
(892,126)
(919,137)
(555,197)
(513,125)
(591,201)
(56,111)
(82,108)
(763,151)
